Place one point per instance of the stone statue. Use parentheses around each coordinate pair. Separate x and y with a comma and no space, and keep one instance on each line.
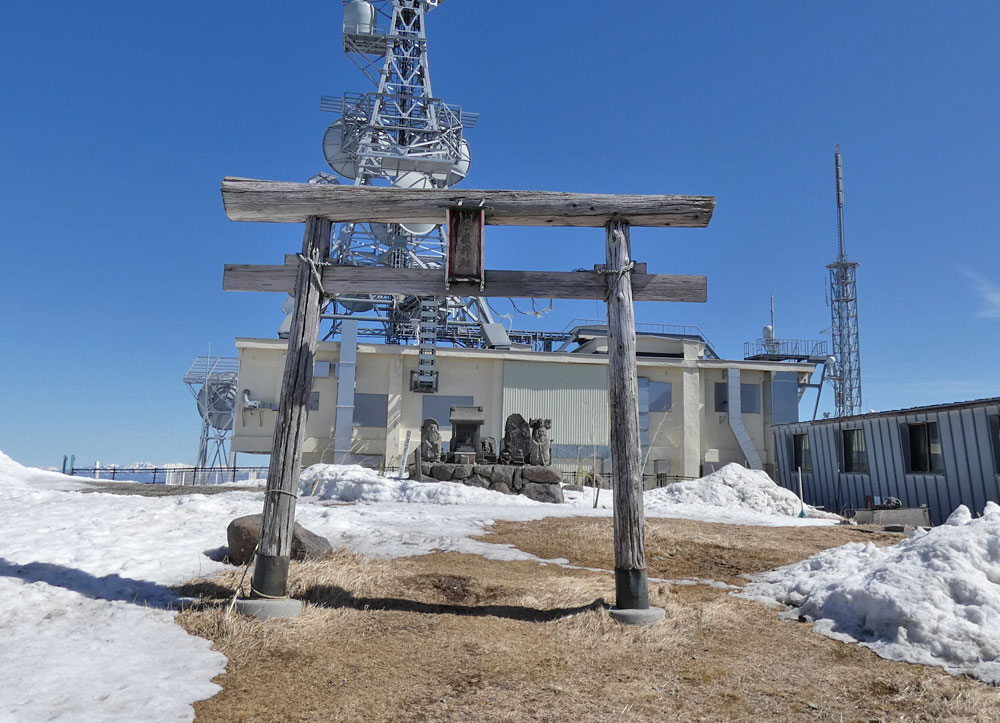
(430,441)
(487,450)
(541,445)
(517,439)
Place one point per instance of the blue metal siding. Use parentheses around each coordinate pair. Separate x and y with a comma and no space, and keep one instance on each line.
(969,477)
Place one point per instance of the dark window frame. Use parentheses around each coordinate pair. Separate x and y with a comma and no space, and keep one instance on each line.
(746,389)
(920,441)
(801,453)
(995,440)
(855,458)
(373,407)
(665,390)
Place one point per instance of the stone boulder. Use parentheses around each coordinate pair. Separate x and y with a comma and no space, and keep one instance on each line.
(244,532)
(541,474)
(502,474)
(501,487)
(441,472)
(461,471)
(542,492)
(477,481)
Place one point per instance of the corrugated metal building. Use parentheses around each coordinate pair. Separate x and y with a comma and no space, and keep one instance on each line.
(940,456)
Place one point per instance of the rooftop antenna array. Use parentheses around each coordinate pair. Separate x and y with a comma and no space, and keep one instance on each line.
(398,134)
(846,362)
(212,382)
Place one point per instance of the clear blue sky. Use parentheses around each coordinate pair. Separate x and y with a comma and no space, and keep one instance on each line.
(119,119)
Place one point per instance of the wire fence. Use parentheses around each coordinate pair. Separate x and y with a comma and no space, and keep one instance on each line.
(174,475)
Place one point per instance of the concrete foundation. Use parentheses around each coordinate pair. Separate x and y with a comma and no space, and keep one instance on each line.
(647,616)
(264,609)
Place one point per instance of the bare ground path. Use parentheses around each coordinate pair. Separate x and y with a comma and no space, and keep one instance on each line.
(449,637)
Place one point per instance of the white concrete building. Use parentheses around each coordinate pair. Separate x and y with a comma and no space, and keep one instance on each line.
(685,397)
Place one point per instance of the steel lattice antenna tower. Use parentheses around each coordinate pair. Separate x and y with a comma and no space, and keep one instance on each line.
(398,134)
(846,376)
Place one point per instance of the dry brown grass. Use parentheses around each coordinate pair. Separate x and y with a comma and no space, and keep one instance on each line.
(678,549)
(448,637)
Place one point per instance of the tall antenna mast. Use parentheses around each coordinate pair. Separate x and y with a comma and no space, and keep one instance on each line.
(397,133)
(846,371)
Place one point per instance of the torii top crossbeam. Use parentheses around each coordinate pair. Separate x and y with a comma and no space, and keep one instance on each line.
(247,199)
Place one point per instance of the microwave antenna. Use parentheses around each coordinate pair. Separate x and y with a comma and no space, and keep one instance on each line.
(397,133)
(212,382)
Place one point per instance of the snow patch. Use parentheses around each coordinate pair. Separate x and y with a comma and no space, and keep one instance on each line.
(13,474)
(933,599)
(735,488)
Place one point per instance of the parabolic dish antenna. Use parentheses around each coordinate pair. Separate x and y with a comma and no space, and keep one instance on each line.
(216,402)
(340,160)
(414,179)
(423,179)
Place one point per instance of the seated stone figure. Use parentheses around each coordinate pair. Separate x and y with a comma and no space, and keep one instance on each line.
(430,441)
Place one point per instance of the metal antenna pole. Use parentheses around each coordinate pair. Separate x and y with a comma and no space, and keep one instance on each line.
(839,171)
(846,372)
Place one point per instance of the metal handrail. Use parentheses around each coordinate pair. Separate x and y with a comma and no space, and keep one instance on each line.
(170,475)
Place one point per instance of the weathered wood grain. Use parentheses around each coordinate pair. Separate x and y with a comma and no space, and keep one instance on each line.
(430,282)
(270,577)
(631,582)
(276,201)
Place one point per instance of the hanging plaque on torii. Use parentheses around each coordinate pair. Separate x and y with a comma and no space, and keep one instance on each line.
(310,276)
(465,246)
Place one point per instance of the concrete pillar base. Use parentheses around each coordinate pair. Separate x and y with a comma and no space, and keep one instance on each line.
(646,616)
(263,609)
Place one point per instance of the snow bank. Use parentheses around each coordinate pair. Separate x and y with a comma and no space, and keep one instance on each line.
(81,579)
(932,599)
(13,474)
(352,483)
(69,657)
(736,488)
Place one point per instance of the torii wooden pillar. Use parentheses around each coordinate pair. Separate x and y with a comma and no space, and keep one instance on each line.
(618,282)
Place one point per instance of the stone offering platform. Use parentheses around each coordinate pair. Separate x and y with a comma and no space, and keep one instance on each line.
(538,482)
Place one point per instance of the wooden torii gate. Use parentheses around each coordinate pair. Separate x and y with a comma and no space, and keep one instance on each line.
(309,276)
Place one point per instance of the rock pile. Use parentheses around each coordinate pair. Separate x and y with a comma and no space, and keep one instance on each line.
(538,482)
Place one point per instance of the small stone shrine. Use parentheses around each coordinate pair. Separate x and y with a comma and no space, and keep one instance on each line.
(465,424)
(522,466)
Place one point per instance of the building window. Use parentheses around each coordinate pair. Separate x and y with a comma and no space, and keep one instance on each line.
(995,439)
(855,454)
(659,397)
(439,407)
(925,448)
(371,410)
(722,397)
(749,398)
(802,453)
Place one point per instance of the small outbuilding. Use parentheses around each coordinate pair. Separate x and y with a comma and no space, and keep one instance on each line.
(939,456)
